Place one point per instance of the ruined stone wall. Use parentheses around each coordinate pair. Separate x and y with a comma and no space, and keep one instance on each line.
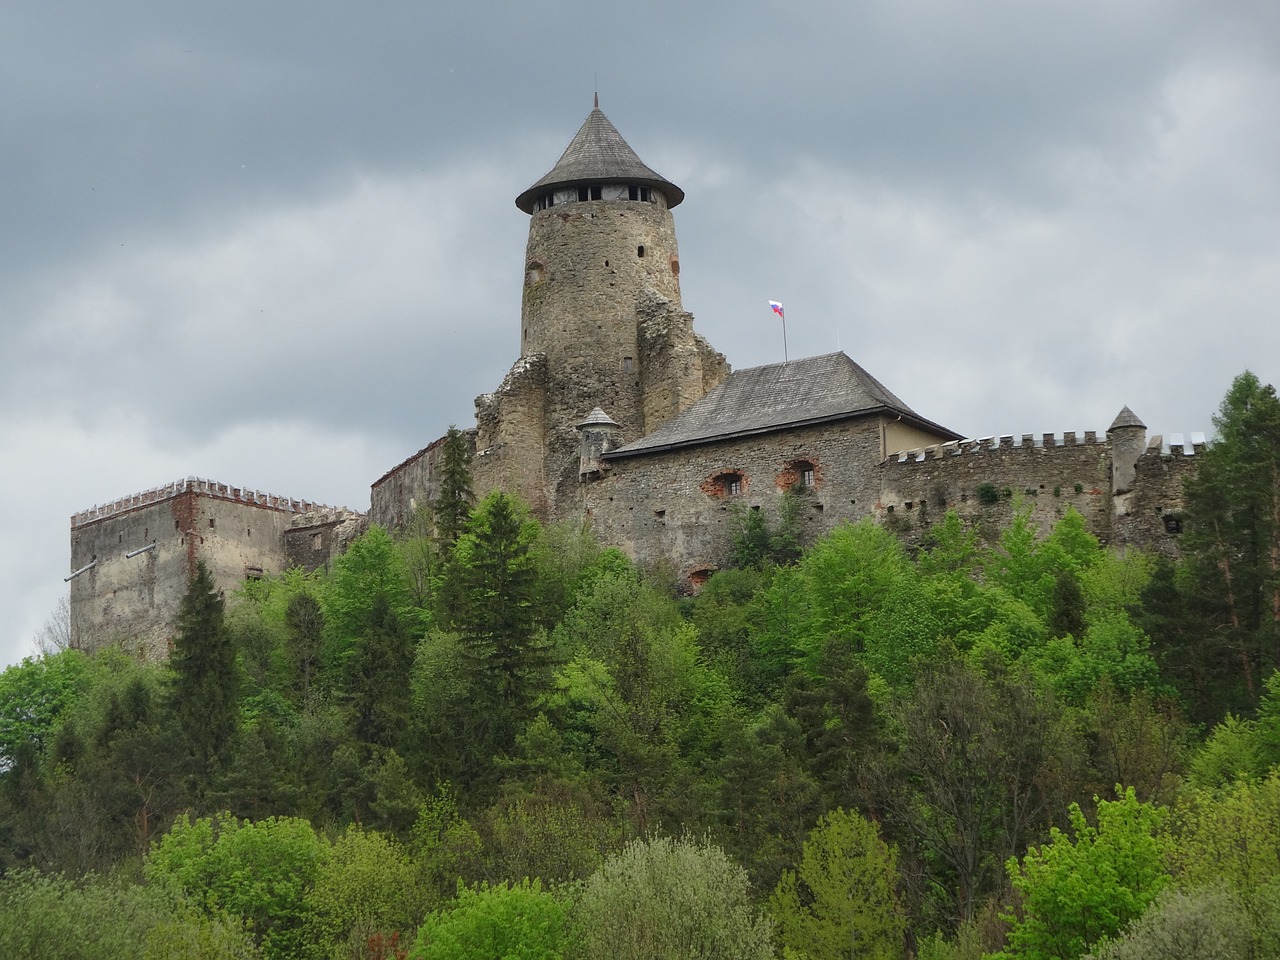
(316,538)
(238,533)
(679,366)
(1149,515)
(396,496)
(985,481)
(512,436)
(681,507)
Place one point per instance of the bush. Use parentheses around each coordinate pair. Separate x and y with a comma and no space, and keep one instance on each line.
(665,899)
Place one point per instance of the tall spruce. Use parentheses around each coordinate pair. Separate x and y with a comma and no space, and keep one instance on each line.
(204,683)
(452,507)
(496,618)
(1232,542)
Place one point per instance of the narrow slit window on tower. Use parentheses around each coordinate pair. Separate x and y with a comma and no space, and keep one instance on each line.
(628,365)
(645,195)
(640,250)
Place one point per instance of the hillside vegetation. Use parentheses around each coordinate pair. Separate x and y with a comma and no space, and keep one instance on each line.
(487,738)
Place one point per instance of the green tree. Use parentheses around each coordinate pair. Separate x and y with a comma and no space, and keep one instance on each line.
(366,888)
(841,902)
(505,657)
(371,571)
(1079,889)
(259,872)
(510,921)
(376,686)
(34,696)
(1196,924)
(665,899)
(48,917)
(977,766)
(451,509)
(1229,837)
(1232,540)
(204,681)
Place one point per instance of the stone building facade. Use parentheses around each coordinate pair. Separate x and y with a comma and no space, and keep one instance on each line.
(618,414)
(133,558)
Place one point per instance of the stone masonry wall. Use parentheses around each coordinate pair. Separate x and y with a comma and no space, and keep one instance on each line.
(1149,516)
(238,533)
(317,538)
(678,507)
(512,435)
(682,508)
(396,496)
(679,365)
(985,481)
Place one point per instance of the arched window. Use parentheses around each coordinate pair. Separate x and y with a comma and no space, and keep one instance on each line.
(799,474)
(730,483)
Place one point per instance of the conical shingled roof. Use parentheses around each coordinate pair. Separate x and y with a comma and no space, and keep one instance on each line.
(779,396)
(598,154)
(1126,418)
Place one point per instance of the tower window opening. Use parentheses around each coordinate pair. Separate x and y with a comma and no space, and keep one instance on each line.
(645,195)
(640,250)
(633,193)
(628,364)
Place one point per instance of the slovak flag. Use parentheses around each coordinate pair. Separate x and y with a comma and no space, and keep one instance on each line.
(776,307)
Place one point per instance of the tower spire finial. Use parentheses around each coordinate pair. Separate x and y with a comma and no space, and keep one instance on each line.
(597,100)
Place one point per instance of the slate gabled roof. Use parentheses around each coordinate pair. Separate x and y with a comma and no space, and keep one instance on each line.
(778,396)
(598,154)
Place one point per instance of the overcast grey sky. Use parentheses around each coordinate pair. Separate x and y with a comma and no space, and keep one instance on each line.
(275,244)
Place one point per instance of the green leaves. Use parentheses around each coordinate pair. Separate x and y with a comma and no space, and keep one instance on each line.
(1081,888)
(841,901)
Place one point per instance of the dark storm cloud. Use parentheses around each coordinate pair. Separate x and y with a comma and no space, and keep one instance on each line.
(275,243)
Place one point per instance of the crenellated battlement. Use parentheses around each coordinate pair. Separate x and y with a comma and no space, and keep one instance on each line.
(982,445)
(203,487)
(1174,445)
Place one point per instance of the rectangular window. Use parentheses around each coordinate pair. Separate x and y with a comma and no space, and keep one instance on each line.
(733,487)
(317,541)
(806,477)
(628,365)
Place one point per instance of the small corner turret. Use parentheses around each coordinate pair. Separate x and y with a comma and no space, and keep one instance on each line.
(1128,437)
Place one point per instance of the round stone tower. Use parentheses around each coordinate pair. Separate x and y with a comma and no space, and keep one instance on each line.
(601,235)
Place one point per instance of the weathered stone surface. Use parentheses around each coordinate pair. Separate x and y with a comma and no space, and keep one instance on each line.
(237,532)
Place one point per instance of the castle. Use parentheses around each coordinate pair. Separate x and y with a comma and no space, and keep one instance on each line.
(618,414)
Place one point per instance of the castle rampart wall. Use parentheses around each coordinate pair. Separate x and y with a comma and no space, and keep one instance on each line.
(396,496)
(985,480)
(1149,515)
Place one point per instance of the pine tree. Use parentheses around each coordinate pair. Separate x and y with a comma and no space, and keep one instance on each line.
(204,682)
(497,585)
(451,509)
(1232,543)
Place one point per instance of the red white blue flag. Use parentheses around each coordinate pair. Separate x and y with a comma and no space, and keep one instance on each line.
(776,307)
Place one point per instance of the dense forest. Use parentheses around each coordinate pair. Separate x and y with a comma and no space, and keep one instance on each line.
(488,738)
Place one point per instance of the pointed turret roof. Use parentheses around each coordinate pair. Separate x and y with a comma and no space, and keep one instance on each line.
(598,154)
(1126,418)
(778,397)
